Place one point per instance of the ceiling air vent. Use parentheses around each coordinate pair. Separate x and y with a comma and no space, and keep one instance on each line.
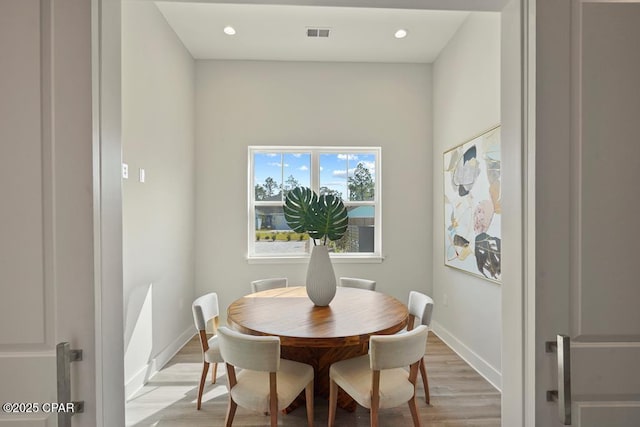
(317,32)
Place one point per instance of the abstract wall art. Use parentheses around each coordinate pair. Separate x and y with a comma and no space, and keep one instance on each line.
(472,206)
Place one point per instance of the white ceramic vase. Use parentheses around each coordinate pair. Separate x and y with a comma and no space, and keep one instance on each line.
(321,279)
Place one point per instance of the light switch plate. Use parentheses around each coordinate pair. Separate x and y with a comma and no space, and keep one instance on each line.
(141,175)
(125,171)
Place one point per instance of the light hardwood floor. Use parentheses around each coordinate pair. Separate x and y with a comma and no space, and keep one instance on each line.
(459,397)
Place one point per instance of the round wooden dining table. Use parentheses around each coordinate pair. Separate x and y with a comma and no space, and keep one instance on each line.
(319,336)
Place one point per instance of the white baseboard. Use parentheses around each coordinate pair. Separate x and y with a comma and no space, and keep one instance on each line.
(140,378)
(483,367)
(136,382)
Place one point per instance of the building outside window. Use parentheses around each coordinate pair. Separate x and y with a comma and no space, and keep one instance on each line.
(351,173)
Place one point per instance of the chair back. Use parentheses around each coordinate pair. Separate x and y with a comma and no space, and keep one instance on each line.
(428,312)
(399,350)
(420,307)
(205,308)
(256,353)
(265,284)
(352,282)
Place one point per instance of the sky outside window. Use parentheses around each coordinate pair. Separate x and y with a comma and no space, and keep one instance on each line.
(297,168)
(284,170)
(336,169)
(288,170)
(333,174)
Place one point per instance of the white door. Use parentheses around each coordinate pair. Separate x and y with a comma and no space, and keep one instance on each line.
(46,208)
(587,209)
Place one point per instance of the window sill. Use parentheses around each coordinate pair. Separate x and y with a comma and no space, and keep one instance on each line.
(348,259)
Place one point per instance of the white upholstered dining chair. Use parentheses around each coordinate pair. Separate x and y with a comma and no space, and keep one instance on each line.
(352,282)
(265,284)
(420,308)
(205,308)
(378,380)
(266,383)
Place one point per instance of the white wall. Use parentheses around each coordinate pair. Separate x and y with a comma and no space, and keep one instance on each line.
(241,103)
(158,93)
(466,102)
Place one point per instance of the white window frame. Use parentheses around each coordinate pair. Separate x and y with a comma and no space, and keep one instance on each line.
(316,151)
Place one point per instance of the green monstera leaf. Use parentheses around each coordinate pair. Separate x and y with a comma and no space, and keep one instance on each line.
(297,208)
(323,217)
(330,218)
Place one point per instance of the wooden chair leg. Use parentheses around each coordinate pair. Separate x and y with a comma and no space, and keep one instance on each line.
(333,402)
(203,377)
(308,395)
(274,418)
(375,398)
(414,411)
(425,381)
(214,373)
(373,414)
(231,412)
(273,399)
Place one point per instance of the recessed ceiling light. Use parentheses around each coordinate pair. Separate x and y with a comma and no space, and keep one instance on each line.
(400,34)
(229,30)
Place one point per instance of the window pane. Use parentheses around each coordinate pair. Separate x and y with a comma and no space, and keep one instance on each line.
(362,176)
(333,174)
(352,176)
(360,232)
(297,171)
(267,176)
(273,235)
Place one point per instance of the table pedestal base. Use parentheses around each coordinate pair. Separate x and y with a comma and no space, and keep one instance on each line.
(321,359)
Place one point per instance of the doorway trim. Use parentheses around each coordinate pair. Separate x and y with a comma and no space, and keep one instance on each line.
(518,395)
(529,210)
(107,207)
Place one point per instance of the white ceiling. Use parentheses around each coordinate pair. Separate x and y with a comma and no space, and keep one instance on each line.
(275,32)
